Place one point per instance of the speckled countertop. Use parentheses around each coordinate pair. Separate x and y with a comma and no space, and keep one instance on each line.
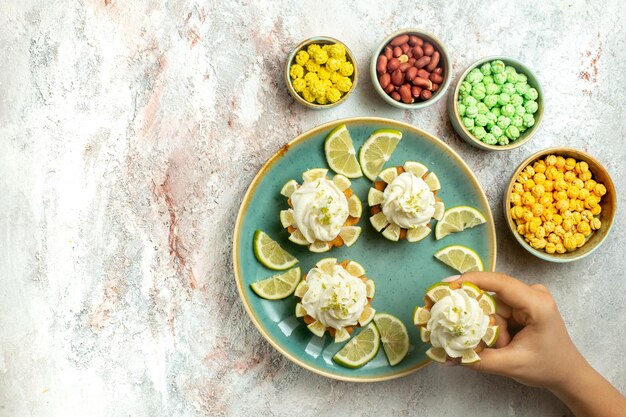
(129,132)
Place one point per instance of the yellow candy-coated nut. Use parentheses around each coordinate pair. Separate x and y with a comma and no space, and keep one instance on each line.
(573,191)
(561,185)
(557,219)
(539,178)
(529,170)
(538,190)
(307,95)
(337,50)
(548,186)
(333,95)
(562,205)
(299,84)
(584,228)
(580,239)
(599,189)
(528,216)
(570,164)
(296,71)
(559,230)
(578,183)
(560,248)
(516,199)
(531,227)
(318,89)
(518,188)
(567,214)
(583,194)
(581,167)
(549,226)
(569,243)
(320,56)
(567,225)
(538,243)
(302,57)
(528,199)
(586,215)
(536,220)
(551,172)
(554,238)
(560,195)
(559,176)
(590,185)
(540,167)
(577,217)
(573,204)
(545,199)
(517,212)
(346,69)
(529,184)
(323,74)
(591,202)
(521,229)
(585,176)
(344,84)
(310,78)
(596,210)
(335,77)
(560,162)
(537,209)
(541,232)
(550,248)
(551,160)
(321,100)
(569,176)
(333,64)
(522,178)
(595,223)
(313,48)
(312,66)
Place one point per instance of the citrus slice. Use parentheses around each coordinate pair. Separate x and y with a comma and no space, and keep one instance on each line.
(471,289)
(392,232)
(461,258)
(417,234)
(270,254)
(319,246)
(286,218)
(341,182)
(301,289)
(289,187)
(437,291)
(487,303)
(491,335)
(420,316)
(313,174)
(416,168)
(340,153)
(341,335)
(424,335)
(388,175)
(457,219)
(367,315)
(377,150)
(379,221)
(355,269)
(370,289)
(317,328)
(469,357)
(298,238)
(360,350)
(440,208)
(394,336)
(432,181)
(278,286)
(350,234)
(300,310)
(374,197)
(355,209)
(327,265)
(437,354)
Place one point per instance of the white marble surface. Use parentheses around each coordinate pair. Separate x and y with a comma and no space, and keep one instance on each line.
(129,131)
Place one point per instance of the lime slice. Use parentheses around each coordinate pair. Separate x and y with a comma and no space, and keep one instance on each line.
(301,289)
(289,187)
(300,310)
(457,219)
(394,336)
(416,168)
(313,174)
(319,247)
(379,221)
(437,354)
(317,328)
(491,335)
(437,291)
(341,335)
(487,303)
(374,197)
(298,238)
(367,315)
(341,182)
(388,175)
(417,234)
(278,286)
(392,232)
(350,234)
(370,289)
(286,218)
(469,357)
(471,289)
(327,265)
(440,208)
(355,269)
(424,335)
(377,150)
(420,316)
(355,209)
(340,153)
(270,254)
(432,181)
(461,258)
(360,350)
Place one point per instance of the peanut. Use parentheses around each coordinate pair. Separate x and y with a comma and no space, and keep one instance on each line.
(423,82)
(415,91)
(393,64)
(422,62)
(396,96)
(410,73)
(384,80)
(399,40)
(436,78)
(381,64)
(388,52)
(397,51)
(397,77)
(428,49)
(418,52)
(405,94)
(390,87)
(426,95)
(405,66)
(423,73)
(414,40)
(434,61)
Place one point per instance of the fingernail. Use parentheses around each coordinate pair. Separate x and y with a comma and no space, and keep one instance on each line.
(452,278)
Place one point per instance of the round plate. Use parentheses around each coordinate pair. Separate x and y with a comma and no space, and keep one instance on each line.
(401,270)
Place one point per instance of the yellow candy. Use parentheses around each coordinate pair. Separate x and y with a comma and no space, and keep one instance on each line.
(538,243)
(585,176)
(517,212)
(580,239)
(573,191)
(539,178)
(307,95)
(595,223)
(559,176)
(581,167)
(335,77)
(599,189)
(528,199)
(570,164)
(548,186)
(333,95)
(321,99)
(312,48)
(318,89)
(537,209)
(554,238)
(546,199)
(550,248)
(583,194)
(560,248)
(528,215)
(540,167)
(560,186)
(518,188)
(320,56)
(547,215)
(590,185)
(584,228)
(551,172)
(562,205)
(310,78)
(296,71)
(516,199)
(521,229)
(312,66)
(560,195)
(346,69)
(337,51)
(529,184)
(567,225)
(541,232)
(578,183)
(551,160)
(529,170)
(569,176)
(323,74)
(560,162)
(569,243)
(302,57)
(577,217)
(344,84)
(596,210)
(559,231)
(522,178)
(299,84)
(591,201)
(548,226)
(538,190)
(557,219)
(531,227)
(333,64)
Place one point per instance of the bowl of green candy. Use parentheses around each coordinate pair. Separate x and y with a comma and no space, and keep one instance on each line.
(497,104)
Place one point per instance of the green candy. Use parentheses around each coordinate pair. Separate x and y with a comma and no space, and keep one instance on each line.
(531,106)
(496,131)
(465,88)
(521,88)
(499,78)
(478,91)
(512,132)
(461,107)
(510,70)
(492,118)
(471,112)
(508,110)
(522,78)
(485,68)
(528,120)
(522,129)
(492,89)
(517,121)
(487,79)
(496,111)
(482,108)
(517,100)
(475,76)
(504,99)
(470,101)
(503,122)
(508,88)
(503,140)
(481,120)
(479,132)
(520,110)
(511,77)
(531,94)
(490,139)
(490,100)
(497,67)
(468,123)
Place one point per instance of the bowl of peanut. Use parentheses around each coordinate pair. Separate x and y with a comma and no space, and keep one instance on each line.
(560,204)
(410,69)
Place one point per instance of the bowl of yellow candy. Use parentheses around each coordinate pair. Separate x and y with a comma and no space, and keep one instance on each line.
(320,72)
(560,204)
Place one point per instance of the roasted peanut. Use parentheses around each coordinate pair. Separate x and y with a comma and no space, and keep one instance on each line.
(393,64)
(434,61)
(422,62)
(439,71)
(410,73)
(384,80)
(425,95)
(414,40)
(423,73)
(399,40)
(436,78)
(381,64)
(405,48)
(415,91)
(405,94)
(397,77)
(405,66)
(422,82)
(411,61)
(388,52)
(435,87)
(418,52)
(397,51)
(428,49)
(390,87)
(396,96)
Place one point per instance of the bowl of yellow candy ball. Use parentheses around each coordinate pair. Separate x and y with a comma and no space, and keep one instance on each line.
(320,72)
(560,204)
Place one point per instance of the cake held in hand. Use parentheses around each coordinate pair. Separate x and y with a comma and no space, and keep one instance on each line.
(458,320)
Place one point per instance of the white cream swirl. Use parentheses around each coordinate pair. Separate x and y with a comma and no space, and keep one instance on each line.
(336,300)
(320,209)
(408,201)
(457,323)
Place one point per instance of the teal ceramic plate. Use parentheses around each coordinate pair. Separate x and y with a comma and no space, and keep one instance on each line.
(402,271)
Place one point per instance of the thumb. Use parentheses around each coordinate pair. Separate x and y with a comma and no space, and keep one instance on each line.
(496,361)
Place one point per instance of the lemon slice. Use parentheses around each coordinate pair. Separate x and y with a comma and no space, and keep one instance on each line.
(278,286)
(340,153)
(457,219)
(417,234)
(313,174)
(437,291)
(416,168)
(437,354)
(461,258)
(367,315)
(300,310)
(341,335)
(319,247)
(377,150)
(286,218)
(360,350)
(317,328)
(491,335)
(392,232)
(388,175)
(424,335)
(420,316)
(350,234)
(432,181)
(374,197)
(355,209)
(379,221)
(298,238)
(394,336)
(301,289)
(341,182)
(327,265)
(471,289)
(270,254)
(355,269)
(440,208)
(487,303)
(289,187)
(469,357)
(370,289)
